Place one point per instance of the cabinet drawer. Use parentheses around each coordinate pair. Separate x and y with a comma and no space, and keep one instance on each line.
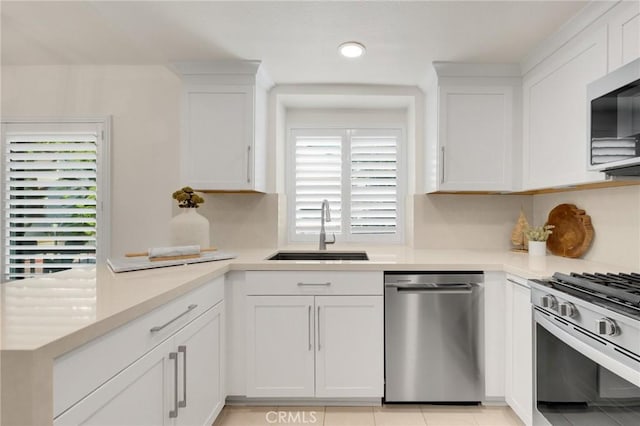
(82,370)
(314,282)
(514,279)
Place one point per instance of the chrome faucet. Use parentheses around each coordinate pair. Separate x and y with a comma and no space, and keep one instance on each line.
(325,213)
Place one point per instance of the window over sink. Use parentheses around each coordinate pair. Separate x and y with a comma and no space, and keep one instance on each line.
(359,171)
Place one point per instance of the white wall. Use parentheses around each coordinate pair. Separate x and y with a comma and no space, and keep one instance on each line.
(615,215)
(144,102)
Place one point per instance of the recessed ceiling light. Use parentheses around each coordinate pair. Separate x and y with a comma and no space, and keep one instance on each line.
(351,49)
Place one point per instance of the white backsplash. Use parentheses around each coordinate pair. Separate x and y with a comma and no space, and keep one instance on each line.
(450,221)
(242,220)
(615,215)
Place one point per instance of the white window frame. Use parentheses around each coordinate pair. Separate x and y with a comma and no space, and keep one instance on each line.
(290,161)
(103,173)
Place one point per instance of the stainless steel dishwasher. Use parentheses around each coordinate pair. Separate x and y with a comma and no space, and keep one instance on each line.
(433,337)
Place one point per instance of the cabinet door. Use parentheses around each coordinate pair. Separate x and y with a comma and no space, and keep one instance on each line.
(494,334)
(200,360)
(279,347)
(519,368)
(218,137)
(349,346)
(624,34)
(476,137)
(139,395)
(555,114)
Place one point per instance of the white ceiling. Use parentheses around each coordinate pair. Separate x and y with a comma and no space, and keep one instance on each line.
(297,41)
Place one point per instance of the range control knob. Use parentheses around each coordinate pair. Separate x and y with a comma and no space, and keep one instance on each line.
(549,301)
(607,326)
(568,309)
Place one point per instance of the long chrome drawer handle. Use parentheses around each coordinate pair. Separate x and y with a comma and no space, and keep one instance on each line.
(174,413)
(160,327)
(315,284)
(309,331)
(318,319)
(183,349)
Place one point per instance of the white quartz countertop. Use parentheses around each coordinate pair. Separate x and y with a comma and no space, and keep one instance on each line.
(58,313)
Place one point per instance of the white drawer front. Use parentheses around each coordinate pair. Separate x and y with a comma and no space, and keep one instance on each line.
(315,282)
(82,370)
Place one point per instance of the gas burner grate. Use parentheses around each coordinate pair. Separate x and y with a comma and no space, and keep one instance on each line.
(627,282)
(622,289)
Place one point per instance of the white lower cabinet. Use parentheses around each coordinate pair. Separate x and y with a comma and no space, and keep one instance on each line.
(280,354)
(314,346)
(349,346)
(201,381)
(179,382)
(494,335)
(135,396)
(519,348)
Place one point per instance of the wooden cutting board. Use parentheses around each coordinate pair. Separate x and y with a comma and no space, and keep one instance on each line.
(572,232)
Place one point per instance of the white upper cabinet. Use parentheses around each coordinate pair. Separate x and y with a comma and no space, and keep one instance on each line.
(472,128)
(223,126)
(603,38)
(624,34)
(555,113)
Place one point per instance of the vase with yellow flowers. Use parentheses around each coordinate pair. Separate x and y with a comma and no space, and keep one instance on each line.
(189,227)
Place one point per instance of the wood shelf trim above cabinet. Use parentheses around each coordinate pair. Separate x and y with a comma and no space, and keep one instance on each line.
(568,188)
(579,187)
(229,191)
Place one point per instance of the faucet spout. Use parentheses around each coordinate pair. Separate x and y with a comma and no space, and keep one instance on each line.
(325,215)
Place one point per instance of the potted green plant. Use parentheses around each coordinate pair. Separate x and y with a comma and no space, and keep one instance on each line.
(537,238)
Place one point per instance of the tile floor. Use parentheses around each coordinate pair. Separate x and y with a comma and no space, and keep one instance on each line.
(389,415)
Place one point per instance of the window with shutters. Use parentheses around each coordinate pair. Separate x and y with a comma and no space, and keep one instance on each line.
(360,173)
(53,196)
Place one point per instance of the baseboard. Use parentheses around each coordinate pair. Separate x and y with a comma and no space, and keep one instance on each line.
(307,402)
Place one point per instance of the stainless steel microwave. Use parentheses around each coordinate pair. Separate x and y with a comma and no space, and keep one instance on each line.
(614,121)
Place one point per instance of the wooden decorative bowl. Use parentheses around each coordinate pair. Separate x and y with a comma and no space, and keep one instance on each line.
(572,232)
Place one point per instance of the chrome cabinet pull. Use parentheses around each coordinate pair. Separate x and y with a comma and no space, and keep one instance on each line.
(160,327)
(249,164)
(318,319)
(309,326)
(328,283)
(174,413)
(183,350)
(442,168)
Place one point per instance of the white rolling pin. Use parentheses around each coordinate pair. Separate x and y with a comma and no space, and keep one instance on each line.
(172,253)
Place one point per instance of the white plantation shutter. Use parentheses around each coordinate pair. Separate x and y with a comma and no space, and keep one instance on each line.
(357,171)
(374,184)
(50,200)
(318,176)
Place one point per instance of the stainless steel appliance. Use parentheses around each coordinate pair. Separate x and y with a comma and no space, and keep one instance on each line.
(433,341)
(587,349)
(614,126)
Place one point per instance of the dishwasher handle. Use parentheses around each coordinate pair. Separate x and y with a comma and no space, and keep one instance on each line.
(434,288)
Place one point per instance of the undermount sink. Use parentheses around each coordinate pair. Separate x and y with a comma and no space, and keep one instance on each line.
(320,255)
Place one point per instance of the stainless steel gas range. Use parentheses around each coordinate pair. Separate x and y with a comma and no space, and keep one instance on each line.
(587,349)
